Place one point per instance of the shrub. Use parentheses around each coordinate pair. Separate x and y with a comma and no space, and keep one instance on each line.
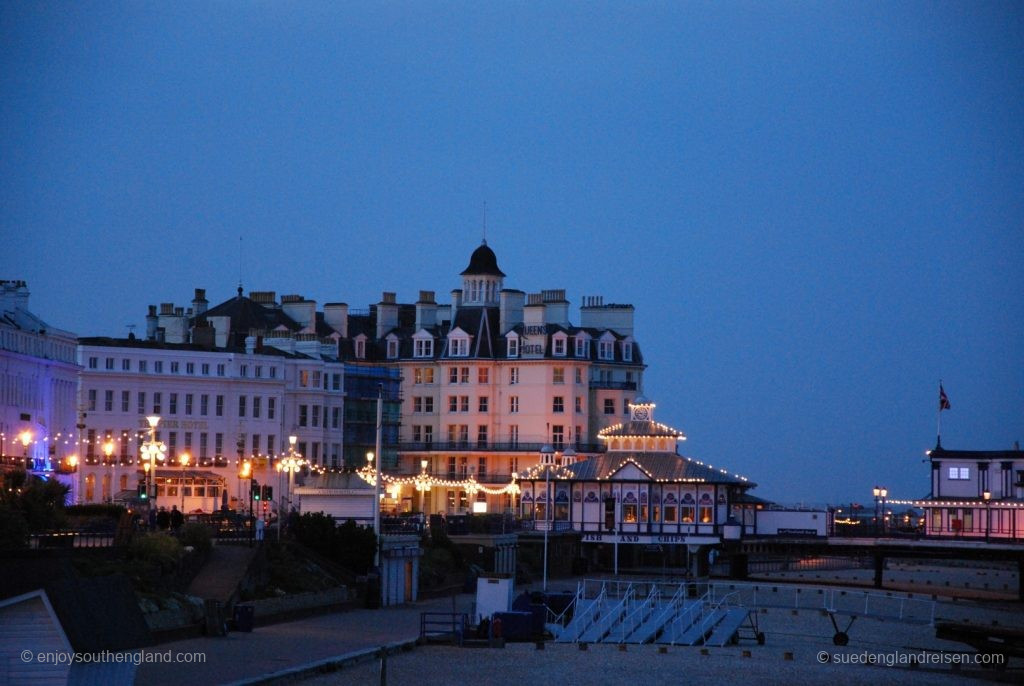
(196,535)
(158,549)
(350,545)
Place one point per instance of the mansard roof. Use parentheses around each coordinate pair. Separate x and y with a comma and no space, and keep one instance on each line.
(483,262)
(246,315)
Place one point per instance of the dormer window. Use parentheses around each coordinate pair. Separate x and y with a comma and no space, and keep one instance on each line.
(581,346)
(360,347)
(423,347)
(627,351)
(392,347)
(458,343)
(513,346)
(605,350)
(558,344)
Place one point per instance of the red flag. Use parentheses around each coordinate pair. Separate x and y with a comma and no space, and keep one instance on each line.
(943,400)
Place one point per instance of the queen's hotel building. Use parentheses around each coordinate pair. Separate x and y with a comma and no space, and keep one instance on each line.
(491,377)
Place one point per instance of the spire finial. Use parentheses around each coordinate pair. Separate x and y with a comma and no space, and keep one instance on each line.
(485,223)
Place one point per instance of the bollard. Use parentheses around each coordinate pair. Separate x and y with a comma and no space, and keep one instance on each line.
(663,650)
(705,651)
(746,653)
(383,667)
(583,646)
(787,656)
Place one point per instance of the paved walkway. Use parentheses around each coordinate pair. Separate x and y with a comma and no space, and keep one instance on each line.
(277,647)
(220,576)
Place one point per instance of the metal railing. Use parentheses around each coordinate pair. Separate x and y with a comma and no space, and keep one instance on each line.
(491,446)
(71,538)
(435,625)
(613,385)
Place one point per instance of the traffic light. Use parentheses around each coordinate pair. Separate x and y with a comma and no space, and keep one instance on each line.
(142,492)
(268,492)
(255,491)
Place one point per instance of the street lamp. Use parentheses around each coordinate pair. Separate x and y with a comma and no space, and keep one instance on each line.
(291,464)
(245,472)
(987,497)
(375,469)
(152,452)
(26,437)
(108,450)
(184,459)
(880,495)
(547,456)
(422,484)
(884,494)
(72,461)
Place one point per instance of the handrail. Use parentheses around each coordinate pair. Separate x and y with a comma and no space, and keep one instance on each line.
(587,617)
(692,610)
(630,623)
(560,619)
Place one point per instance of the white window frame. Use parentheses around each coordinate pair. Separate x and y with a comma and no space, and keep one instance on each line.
(423,347)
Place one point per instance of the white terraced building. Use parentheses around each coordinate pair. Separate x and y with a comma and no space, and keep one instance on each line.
(224,397)
(38,382)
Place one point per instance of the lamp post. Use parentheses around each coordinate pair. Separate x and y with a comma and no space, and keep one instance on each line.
(377,475)
(547,455)
(245,472)
(152,452)
(987,497)
(108,451)
(423,485)
(884,494)
(72,461)
(291,464)
(880,494)
(26,437)
(184,459)
(375,470)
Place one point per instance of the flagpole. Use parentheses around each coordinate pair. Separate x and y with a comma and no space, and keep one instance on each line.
(938,430)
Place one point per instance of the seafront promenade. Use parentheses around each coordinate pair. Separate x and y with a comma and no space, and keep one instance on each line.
(240,656)
(791,654)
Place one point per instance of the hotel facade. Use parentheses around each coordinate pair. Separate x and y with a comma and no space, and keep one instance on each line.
(491,377)
(38,386)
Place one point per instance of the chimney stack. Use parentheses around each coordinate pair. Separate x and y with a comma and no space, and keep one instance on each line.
(387,314)
(510,309)
(336,317)
(199,302)
(151,320)
(426,311)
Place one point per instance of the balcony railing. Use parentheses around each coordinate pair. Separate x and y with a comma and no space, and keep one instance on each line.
(490,446)
(613,385)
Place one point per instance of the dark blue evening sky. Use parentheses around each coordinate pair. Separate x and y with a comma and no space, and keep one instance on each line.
(815,207)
